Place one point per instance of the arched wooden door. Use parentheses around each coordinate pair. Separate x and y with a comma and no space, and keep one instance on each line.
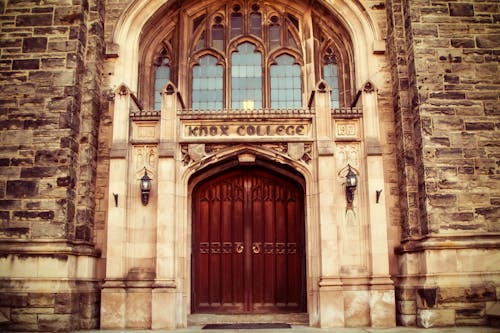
(248,244)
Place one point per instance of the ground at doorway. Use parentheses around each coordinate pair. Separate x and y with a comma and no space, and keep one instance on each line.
(306,329)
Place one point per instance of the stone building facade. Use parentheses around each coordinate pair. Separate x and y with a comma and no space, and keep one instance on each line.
(248,117)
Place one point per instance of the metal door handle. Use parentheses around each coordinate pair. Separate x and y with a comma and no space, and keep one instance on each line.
(239,248)
(256,248)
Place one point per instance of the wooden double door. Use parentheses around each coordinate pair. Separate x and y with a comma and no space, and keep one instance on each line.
(248,244)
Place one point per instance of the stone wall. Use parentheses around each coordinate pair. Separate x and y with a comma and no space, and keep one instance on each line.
(50,71)
(446,94)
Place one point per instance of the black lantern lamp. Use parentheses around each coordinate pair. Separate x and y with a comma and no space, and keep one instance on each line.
(351,182)
(145,187)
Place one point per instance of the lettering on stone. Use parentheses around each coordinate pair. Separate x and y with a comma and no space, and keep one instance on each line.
(347,130)
(246,130)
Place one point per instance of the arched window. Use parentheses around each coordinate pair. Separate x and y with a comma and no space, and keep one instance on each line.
(162,76)
(274,33)
(208,78)
(246,78)
(286,86)
(236,22)
(256,22)
(218,35)
(246,54)
(331,76)
(248,44)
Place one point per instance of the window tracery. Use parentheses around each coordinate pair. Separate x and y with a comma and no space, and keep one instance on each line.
(208,79)
(331,76)
(162,76)
(250,54)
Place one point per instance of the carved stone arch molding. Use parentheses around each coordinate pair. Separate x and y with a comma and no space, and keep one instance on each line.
(227,156)
(198,155)
(366,35)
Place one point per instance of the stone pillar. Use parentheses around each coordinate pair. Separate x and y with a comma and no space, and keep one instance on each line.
(164,293)
(382,298)
(113,297)
(331,300)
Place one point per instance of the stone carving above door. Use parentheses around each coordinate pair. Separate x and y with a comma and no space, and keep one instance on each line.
(196,152)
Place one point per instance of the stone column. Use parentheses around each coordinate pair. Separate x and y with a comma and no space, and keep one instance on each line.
(330,287)
(164,307)
(113,296)
(382,298)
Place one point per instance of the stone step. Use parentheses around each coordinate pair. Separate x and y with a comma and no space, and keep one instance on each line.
(290,318)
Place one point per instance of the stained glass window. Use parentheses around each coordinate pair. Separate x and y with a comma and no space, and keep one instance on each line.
(246,78)
(218,37)
(286,85)
(255,24)
(162,76)
(208,84)
(274,36)
(331,76)
(236,24)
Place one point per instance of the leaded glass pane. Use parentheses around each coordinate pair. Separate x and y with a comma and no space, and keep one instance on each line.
(274,36)
(218,36)
(331,76)
(246,78)
(255,24)
(236,24)
(286,84)
(207,85)
(162,76)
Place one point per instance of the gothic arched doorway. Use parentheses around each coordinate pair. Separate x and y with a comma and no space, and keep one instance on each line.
(248,243)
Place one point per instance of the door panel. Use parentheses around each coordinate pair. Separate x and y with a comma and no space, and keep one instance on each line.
(248,244)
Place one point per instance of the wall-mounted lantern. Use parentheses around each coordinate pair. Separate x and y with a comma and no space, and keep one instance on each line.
(351,182)
(145,188)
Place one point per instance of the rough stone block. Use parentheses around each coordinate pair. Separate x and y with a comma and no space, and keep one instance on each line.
(490,213)
(21,188)
(479,126)
(357,308)
(59,156)
(435,318)
(462,42)
(38,172)
(427,297)
(465,294)
(56,322)
(442,200)
(406,320)
(461,9)
(41,300)
(488,41)
(24,64)
(406,307)
(34,20)
(34,44)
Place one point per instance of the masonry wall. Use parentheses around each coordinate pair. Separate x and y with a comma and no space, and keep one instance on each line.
(446,94)
(50,72)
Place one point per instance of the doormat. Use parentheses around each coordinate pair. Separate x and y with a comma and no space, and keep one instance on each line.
(245,326)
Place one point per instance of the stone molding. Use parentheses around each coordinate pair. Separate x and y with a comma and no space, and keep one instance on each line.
(451,241)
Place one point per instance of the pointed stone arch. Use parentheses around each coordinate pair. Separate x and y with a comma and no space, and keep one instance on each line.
(367,37)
